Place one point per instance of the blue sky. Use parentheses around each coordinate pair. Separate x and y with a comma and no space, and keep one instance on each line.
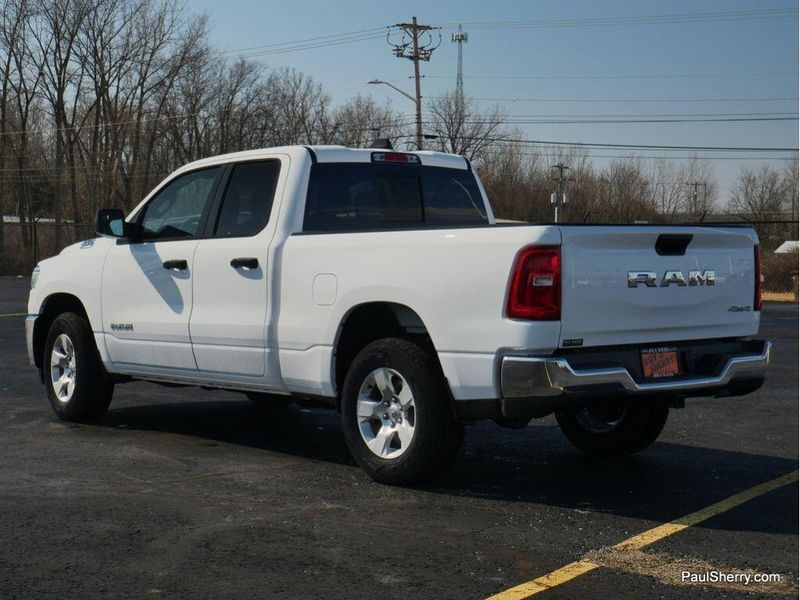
(554,62)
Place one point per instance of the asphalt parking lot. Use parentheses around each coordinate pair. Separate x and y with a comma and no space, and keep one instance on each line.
(185,493)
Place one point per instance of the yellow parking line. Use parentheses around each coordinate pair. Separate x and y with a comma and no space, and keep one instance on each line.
(15,315)
(651,536)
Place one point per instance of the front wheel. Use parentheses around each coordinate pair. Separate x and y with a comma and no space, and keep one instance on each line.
(396,415)
(77,385)
(613,429)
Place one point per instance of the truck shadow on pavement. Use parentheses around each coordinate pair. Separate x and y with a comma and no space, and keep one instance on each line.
(536,465)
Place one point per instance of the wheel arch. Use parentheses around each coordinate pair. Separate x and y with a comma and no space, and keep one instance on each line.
(52,306)
(370,321)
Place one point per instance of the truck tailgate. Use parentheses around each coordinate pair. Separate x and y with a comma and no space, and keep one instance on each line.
(663,302)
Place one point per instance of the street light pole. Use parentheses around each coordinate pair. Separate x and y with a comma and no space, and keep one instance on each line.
(395,88)
(416,101)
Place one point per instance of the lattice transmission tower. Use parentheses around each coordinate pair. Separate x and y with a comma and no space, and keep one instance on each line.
(460,37)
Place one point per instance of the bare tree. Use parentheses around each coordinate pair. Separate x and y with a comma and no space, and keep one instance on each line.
(630,197)
(790,179)
(360,120)
(758,194)
(104,45)
(55,31)
(461,128)
(14,17)
(301,108)
(514,182)
(668,185)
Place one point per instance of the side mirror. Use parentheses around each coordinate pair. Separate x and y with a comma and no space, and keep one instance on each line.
(111,222)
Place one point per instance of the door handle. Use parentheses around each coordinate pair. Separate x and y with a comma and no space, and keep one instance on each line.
(176,265)
(245,263)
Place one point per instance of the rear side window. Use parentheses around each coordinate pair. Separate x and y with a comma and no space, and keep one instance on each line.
(351,197)
(248,197)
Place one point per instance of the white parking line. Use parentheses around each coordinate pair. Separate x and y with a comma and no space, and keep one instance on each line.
(14,315)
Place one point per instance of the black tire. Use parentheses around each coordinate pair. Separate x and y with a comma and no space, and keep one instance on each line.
(92,390)
(630,429)
(437,434)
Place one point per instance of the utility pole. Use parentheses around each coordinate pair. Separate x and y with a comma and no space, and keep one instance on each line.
(416,51)
(694,195)
(460,37)
(559,197)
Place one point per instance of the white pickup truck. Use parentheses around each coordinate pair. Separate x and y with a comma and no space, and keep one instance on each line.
(378,282)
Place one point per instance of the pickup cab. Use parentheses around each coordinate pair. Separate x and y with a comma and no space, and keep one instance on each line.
(379,283)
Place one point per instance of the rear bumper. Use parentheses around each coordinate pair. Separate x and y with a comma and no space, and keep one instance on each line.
(534,385)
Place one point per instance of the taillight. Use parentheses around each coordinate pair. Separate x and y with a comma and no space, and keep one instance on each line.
(758,282)
(535,291)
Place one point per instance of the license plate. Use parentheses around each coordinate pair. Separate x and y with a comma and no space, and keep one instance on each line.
(660,362)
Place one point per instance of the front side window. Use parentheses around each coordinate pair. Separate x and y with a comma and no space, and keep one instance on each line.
(176,210)
(355,196)
(248,198)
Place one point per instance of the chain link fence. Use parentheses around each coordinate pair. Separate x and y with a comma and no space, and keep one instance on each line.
(780,276)
(778,269)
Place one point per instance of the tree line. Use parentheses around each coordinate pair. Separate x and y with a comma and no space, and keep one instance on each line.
(101,99)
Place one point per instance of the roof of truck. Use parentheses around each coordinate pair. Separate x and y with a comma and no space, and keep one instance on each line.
(324,154)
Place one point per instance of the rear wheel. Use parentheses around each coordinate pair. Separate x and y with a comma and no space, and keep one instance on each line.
(396,414)
(613,429)
(77,385)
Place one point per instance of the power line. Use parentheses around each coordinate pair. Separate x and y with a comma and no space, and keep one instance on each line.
(542,121)
(635,121)
(626,119)
(146,120)
(739,15)
(400,121)
(635,100)
(332,36)
(361,35)
(43,176)
(379,32)
(652,115)
(500,140)
(512,116)
(665,76)
(687,157)
(309,46)
(651,146)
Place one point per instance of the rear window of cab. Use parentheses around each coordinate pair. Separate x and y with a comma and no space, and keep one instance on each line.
(369,196)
